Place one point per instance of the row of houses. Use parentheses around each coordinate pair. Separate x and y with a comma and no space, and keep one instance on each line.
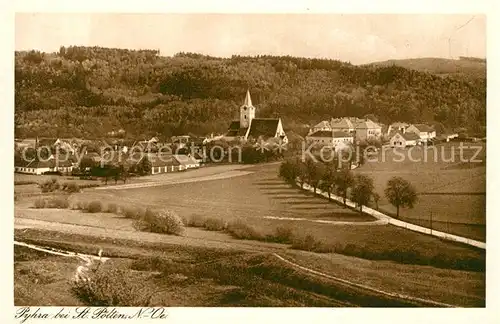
(339,132)
(160,163)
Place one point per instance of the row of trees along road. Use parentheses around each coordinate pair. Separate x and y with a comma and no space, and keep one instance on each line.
(335,178)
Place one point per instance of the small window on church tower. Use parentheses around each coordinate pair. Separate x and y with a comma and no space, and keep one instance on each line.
(245,116)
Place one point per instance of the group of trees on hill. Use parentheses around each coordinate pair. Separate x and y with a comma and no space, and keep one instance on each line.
(91,91)
(333,178)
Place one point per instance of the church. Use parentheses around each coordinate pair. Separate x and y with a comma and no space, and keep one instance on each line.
(248,127)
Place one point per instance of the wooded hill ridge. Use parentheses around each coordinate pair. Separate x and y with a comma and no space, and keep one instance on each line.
(94,91)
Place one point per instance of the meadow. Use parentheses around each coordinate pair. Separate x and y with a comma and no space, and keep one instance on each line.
(452,195)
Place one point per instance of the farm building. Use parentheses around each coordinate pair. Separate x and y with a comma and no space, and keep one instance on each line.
(361,129)
(163,163)
(423,131)
(250,127)
(405,139)
(37,166)
(329,138)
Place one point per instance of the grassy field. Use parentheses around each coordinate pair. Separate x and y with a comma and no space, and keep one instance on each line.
(453,194)
(253,197)
(194,276)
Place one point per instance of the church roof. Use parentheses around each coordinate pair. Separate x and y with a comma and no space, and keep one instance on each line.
(265,127)
(248,100)
(235,129)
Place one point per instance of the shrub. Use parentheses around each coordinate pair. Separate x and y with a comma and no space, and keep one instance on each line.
(282,234)
(195,221)
(39,203)
(50,185)
(71,187)
(112,287)
(131,212)
(214,224)
(93,207)
(112,208)
(164,221)
(80,205)
(58,202)
(309,243)
(240,230)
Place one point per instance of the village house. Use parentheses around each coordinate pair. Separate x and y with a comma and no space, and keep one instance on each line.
(400,139)
(397,127)
(423,131)
(361,129)
(329,138)
(164,163)
(249,127)
(40,166)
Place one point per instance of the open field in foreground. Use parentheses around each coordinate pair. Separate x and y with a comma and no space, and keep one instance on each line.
(452,194)
(195,276)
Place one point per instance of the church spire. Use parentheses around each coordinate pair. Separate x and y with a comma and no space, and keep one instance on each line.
(248,99)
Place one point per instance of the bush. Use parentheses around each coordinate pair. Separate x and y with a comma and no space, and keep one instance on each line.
(242,231)
(80,205)
(112,287)
(58,202)
(94,207)
(164,221)
(71,187)
(309,243)
(112,208)
(214,224)
(50,185)
(195,221)
(39,203)
(282,234)
(132,213)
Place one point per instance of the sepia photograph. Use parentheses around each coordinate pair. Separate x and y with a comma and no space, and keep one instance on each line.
(249,160)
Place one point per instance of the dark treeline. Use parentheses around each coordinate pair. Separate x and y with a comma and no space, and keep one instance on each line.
(91,91)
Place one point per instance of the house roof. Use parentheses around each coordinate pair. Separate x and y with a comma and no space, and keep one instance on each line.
(185,159)
(423,128)
(37,164)
(399,124)
(322,124)
(408,136)
(265,127)
(343,123)
(334,134)
(367,124)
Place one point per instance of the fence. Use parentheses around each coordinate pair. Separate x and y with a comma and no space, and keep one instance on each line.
(381,216)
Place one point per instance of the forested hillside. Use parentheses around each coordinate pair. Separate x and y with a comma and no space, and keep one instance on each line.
(89,92)
(467,67)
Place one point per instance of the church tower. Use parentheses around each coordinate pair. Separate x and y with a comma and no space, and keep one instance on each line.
(247,112)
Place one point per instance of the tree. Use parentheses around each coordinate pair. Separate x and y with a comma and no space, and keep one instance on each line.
(289,171)
(376,199)
(301,173)
(328,180)
(343,181)
(362,190)
(315,171)
(144,166)
(400,193)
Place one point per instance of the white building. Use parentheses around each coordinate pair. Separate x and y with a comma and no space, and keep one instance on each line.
(329,138)
(423,131)
(404,139)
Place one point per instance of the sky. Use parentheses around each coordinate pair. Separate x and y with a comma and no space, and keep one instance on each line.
(354,38)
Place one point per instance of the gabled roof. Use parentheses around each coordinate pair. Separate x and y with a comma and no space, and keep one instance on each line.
(399,124)
(185,159)
(423,128)
(321,133)
(343,123)
(367,124)
(408,136)
(323,124)
(265,127)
